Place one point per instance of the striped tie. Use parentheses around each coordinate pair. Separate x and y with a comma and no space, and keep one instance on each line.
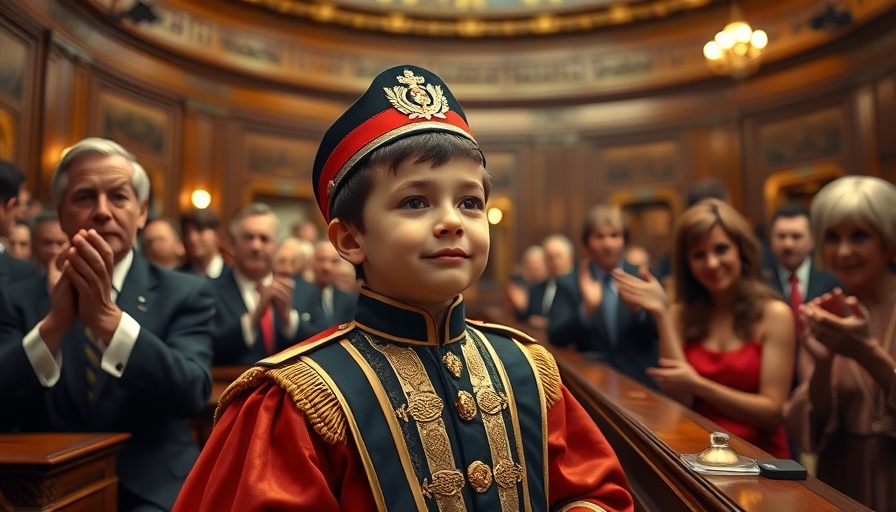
(92,359)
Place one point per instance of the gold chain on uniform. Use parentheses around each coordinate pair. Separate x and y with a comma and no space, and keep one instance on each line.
(507,472)
(425,406)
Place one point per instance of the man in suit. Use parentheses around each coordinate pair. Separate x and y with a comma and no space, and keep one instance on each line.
(260,313)
(559,255)
(587,311)
(12,270)
(202,244)
(791,270)
(161,244)
(337,305)
(791,244)
(107,341)
(47,238)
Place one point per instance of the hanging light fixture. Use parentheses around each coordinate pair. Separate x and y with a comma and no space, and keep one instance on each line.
(736,51)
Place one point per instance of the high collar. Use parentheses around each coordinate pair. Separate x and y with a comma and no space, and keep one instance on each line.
(404,323)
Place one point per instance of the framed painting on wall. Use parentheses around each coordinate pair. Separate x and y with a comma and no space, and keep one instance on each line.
(276,155)
(139,126)
(640,164)
(803,138)
(12,67)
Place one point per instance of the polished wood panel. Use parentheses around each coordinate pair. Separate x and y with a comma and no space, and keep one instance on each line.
(60,471)
(649,431)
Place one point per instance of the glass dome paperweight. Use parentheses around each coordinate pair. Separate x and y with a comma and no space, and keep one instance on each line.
(720,459)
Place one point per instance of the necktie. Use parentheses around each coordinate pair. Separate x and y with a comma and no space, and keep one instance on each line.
(266,324)
(267,329)
(609,305)
(93,357)
(796,298)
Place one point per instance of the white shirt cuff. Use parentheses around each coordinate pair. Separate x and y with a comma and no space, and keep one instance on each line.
(289,330)
(46,367)
(118,351)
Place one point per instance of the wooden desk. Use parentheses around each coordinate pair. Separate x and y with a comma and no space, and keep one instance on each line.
(60,471)
(649,431)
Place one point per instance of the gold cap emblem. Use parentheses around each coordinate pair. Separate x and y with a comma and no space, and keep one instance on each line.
(417,100)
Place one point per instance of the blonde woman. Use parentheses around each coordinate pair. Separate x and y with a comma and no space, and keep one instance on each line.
(846,410)
(726,343)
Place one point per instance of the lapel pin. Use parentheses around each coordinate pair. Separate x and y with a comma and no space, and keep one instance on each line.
(141,303)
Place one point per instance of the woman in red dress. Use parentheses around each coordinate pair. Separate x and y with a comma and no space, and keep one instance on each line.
(727,341)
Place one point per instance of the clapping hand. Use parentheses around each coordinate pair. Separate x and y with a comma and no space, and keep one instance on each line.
(592,293)
(646,292)
(839,323)
(89,267)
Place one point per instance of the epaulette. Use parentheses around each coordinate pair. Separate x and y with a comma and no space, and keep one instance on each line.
(544,361)
(293,352)
(308,390)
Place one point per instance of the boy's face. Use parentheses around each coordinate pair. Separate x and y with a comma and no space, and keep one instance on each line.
(426,236)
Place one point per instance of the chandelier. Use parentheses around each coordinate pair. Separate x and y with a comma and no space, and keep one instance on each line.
(736,51)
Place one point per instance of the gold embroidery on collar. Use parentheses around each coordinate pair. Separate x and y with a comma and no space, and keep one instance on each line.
(493,421)
(447,480)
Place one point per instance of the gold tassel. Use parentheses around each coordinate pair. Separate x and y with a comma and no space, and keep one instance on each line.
(547,370)
(314,398)
(249,380)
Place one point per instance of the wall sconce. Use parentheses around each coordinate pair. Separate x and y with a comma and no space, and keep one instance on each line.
(201,199)
(495,215)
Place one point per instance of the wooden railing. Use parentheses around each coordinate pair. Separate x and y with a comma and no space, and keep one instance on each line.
(649,431)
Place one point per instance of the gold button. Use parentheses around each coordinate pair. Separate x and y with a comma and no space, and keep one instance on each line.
(466,405)
(453,364)
(480,476)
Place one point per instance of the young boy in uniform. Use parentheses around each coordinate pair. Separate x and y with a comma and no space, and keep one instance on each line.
(410,407)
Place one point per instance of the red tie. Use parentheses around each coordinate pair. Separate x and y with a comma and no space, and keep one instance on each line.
(796,298)
(267,329)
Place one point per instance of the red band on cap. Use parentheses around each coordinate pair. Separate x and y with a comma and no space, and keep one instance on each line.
(377,126)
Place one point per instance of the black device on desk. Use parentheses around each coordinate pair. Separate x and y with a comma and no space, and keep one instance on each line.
(782,469)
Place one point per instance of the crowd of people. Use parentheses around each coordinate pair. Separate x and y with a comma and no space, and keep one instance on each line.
(374,395)
(785,342)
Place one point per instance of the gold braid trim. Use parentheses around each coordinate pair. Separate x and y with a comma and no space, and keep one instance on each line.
(547,370)
(314,398)
(250,379)
(306,387)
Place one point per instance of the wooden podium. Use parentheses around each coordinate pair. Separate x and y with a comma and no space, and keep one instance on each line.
(59,471)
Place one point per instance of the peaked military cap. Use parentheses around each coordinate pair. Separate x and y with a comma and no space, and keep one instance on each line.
(401,101)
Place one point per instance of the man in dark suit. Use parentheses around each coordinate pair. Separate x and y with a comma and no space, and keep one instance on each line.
(260,313)
(587,311)
(791,244)
(790,269)
(338,306)
(202,243)
(12,270)
(559,256)
(107,341)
